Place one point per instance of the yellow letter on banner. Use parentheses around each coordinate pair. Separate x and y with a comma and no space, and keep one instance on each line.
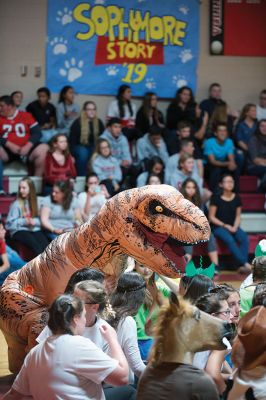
(114,19)
(156,28)
(111,54)
(137,24)
(169,27)
(78,16)
(122,26)
(179,32)
(100,18)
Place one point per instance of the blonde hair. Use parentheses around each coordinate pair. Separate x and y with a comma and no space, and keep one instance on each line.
(97,149)
(94,290)
(84,125)
(183,158)
(96,294)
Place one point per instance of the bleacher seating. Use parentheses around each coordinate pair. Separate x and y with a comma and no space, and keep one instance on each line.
(253,218)
(15,168)
(251,199)
(248,184)
(252,202)
(5,202)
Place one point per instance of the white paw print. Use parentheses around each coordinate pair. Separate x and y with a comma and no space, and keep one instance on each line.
(184,9)
(179,81)
(111,70)
(60,45)
(150,84)
(65,16)
(99,1)
(185,56)
(72,69)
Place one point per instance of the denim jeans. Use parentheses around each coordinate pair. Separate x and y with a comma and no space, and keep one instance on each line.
(257,170)
(237,243)
(82,155)
(15,261)
(51,235)
(48,134)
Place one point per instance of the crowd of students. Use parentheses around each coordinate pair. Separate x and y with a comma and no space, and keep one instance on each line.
(201,149)
(222,139)
(117,329)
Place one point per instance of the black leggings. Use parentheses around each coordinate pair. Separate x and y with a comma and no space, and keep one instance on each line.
(36,241)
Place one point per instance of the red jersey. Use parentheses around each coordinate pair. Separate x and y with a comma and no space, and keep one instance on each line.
(16,129)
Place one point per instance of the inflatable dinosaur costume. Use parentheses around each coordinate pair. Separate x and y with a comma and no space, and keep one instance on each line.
(150,224)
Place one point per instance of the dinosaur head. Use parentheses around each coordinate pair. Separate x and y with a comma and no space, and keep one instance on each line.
(157,222)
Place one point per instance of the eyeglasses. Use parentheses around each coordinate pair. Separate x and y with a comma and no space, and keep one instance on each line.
(226,313)
(228,181)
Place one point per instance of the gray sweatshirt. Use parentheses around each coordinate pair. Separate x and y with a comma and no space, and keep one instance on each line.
(171,166)
(177,178)
(64,123)
(145,149)
(16,222)
(105,167)
(119,146)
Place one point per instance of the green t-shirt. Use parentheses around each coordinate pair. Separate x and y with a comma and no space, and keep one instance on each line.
(142,314)
(246,297)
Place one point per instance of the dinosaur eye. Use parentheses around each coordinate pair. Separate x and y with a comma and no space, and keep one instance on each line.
(159,209)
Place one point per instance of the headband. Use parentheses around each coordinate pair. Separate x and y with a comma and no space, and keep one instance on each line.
(134,289)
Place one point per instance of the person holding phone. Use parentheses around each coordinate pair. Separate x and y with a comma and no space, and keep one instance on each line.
(94,197)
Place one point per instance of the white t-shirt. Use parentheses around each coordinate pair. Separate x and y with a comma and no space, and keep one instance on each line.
(65,367)
(113,110)
(96,203)
(127,338)
(91,332)
(261,113)
(201,358)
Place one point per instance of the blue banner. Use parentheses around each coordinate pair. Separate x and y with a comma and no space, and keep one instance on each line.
(95,46)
